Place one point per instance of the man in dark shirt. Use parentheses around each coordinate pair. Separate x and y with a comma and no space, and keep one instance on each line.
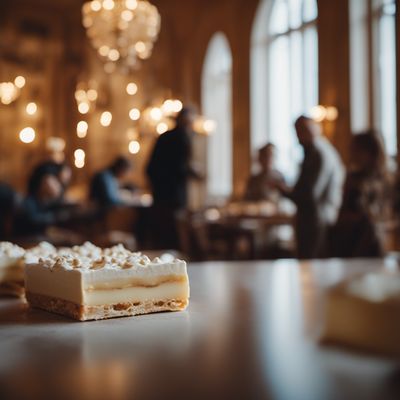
(104,188)
(169,171)
(169,168)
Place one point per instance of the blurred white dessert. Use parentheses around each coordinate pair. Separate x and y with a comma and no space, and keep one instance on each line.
(11,269)
(364,312)
(87,283)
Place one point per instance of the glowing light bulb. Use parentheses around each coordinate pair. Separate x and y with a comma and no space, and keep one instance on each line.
(332,113)
(168,106)
(79,154)
(82,128)
(83,108)
(318,113)
(31,108)
(140,47)
(209,126)
(106,118)
(95,5)
(178,106)
(19,82)
(131,4)
(108,4)
(134,114)
(134,147)
(127,15)
(104,50)
(113,55)
(27,135)
(156,114)
(79,163)
(131,88)
(162,127)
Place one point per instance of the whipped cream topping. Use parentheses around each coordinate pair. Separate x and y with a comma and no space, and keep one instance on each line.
(376,286)
(90,257)
(10,250)
(43,249)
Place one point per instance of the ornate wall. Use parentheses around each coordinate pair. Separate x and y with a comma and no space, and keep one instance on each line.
(44,41)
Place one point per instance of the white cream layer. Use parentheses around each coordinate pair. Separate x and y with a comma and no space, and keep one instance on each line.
(82,286)
(376,286)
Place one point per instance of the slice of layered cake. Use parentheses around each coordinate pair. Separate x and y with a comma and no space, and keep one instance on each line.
(11,269)
(89,283)
(12,261)
(363,312)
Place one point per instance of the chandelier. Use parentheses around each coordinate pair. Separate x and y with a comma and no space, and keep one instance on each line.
(123,32)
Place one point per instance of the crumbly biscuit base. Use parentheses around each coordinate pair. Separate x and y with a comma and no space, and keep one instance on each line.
(12,288)
(86,313)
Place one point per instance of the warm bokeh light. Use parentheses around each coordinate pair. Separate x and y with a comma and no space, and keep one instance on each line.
(79,163)
(80,95)
(131,4)
(127,15)
(113,55)
(156,114)
(81,129)
(134,147)
(131,88)
(168,106)
(106,118)
(332,113)
(140,47)
(19,82)
(134,114)
(103,51)
(27,135)
(209,126)
(318,113)
(162,127)
(79,154)
(83,108)
(95,5)
(31,108)
(178,106)
(8,92)
(108,4)
(92,94)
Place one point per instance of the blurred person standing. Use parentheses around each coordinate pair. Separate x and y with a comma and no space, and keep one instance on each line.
(366,201)
(318,191)
(105,189)
(262,185)
(169,171)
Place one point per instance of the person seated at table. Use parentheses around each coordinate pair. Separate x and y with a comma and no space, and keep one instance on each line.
(357,233)
(318,190)
(63,173)
(41,208)
(262,185)
(105,185)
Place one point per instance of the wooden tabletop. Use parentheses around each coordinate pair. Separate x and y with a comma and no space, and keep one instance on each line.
(249,333)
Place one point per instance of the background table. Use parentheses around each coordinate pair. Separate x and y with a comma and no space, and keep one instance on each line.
(249,333)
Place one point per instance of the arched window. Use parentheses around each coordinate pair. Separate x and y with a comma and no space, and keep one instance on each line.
(373,68)
(217,105)
(384,26)
(284,74)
